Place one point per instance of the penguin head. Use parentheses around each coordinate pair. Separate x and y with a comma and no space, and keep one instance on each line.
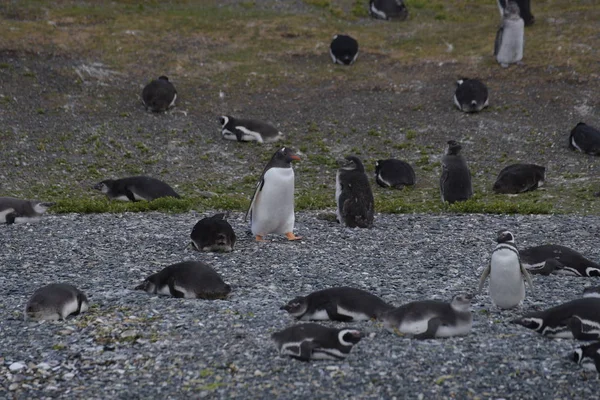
(42,207)
(163,78)
(577,355)
(353,163)
(286,154)
(512,9)
(296,307)
(103,186)
(529,322)
(461,302)
(224,120)
(453,148)
(349,337)
(505,236)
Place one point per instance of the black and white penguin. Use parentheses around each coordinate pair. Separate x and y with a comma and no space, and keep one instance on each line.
(272,207)
(248,130)
(189,280)
(213,234)
(471,95)
(519,178)
(455,182)
(564,261)
(388,9)
(524,10)
(159,95)
(353,195)
(343,50)
(585,138)
(311,341)
(14,210)
(588,356)
(576,319)
(135,188)
(592,291)
(337,304)
(394,173)
(430,319)
(55,301)
(507,287)
(510,38)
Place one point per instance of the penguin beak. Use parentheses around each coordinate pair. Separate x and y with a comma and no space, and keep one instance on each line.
(294,157)
(283,308)
(97,186)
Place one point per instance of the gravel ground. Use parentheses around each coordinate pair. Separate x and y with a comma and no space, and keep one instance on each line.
(133,345)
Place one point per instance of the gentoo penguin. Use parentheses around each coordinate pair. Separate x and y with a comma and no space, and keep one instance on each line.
(353,195)
(189,280)
(565,261)
(17,210)
(471,95)
(588,356)
(519,178)
(585,138)
(576,319)
(507,288)
(510,37)
(135,188)
(343,49)
(524,10)
(248,130)
(394,173)
(213,234)
(388,9)
(592,291)
(430,319)
(311,341)
(337,304)
(55,301)
(159,95)
(455,182)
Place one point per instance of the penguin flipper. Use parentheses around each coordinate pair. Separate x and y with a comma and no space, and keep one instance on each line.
(174,292)
(130,195)
(527,276)
(577,330)
(498,41)
(11,217)
(333,314)
(486,273)
(306,349)
(432,326)
(259,185)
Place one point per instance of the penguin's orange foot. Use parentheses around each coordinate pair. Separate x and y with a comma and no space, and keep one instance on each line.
(291,236)
(259,238)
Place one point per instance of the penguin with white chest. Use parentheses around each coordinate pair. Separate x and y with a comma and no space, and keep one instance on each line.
(135,188)
(311,341)
(510,38)
(455,180)
(55,301)
(248,130)
(585,138)
(353,195)
(394,173)
(430,319)
(13,210)
(343,49)
(471,95)
(563,261)
(337,304)
(507,287)
(159,95)
(272,207)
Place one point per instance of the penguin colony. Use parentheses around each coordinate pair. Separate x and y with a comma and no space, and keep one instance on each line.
(272,211)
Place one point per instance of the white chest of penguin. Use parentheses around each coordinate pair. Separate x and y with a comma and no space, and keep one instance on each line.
(507,288)
(274,209)
(511,49)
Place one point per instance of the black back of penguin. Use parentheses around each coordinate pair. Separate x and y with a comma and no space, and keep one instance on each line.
(355,200)
(585,139)
(136,188)
(388,9)
(55,301)
(213,234)
(455,181)
(524,10)
(471,95)
(159,95)
(394,173)
(519,178)
(343,49)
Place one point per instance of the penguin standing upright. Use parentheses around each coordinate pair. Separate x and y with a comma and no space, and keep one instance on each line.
(18,210)
(159,95)
(585,138)
(388,9)
(455,182)
(524,10)
(471,95)
(55,301)
(353,195)
(272,207)
(343,49)
(507,288)
(510,37)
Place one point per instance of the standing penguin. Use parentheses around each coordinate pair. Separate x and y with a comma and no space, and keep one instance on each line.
(343,49)
(135,188)
(394,173)
(519,178)
(388,9)
(159,95)
(524,10)
(471,95)
(586,139)
(17,210)
(507,288)
(272,207)
(213,234)
(455,182)
(510,37)
(353,195)
(248,130)
(55,301)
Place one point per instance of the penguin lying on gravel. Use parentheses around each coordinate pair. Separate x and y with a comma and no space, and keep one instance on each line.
(188,279)
(588,356)
(55,301)
(135,188)
(576,319)
(556,259)
(213,234)
(388,9)
(17,210)
(159,95)
(248,130)
(519,178)
(471,95)
(353,195)
(431,318)
(310,341)
(394,173)
(585,138)
(337,304)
